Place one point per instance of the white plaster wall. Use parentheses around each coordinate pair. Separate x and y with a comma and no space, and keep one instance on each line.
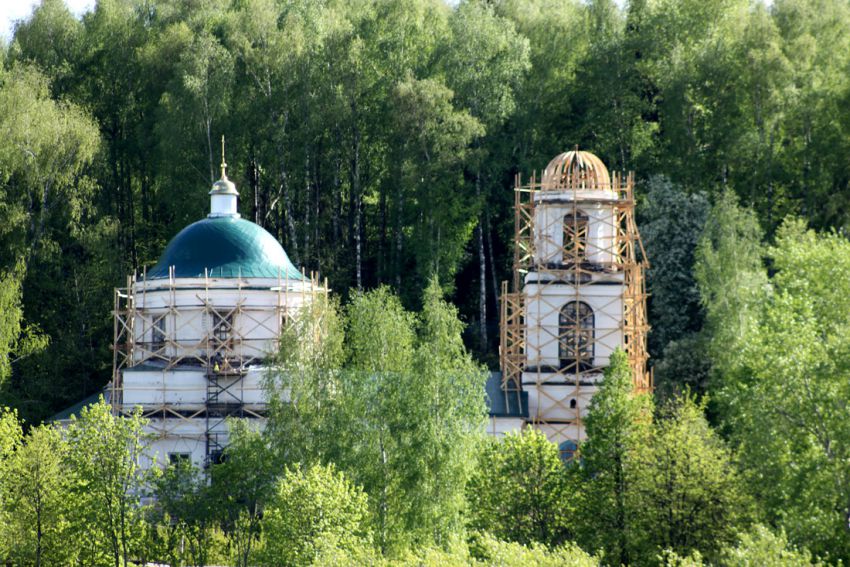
(187,325)
(182,436)
(543,306)
(549,213)
(223,205)
(558,433)
(501,426)
(550,401)
(186,389)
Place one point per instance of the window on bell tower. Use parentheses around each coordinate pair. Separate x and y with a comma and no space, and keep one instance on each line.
(575,337)
(158,333)
(575,237)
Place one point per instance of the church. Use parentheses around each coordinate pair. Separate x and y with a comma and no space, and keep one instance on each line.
(193,335)
(577,294)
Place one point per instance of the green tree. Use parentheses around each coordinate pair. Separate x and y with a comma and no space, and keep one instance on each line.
(10,440)
(47,148)
(490,551)
(399,418)
(103,458)
(484,66)
(51,39)
(618,426)
(311,509)
(731,276)
(185,512)
(673,221)
(447,405)
(672,225)
(37,500)
(760,546)
(520,491)
(783,397)
(432,142)
(380,341)
(302,388)
(687,492)
(17,340)
(244,481)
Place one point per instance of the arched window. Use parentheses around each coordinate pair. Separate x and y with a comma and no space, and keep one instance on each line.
(222,326)
(575,237)
(575,337)
(158,333)
(567,450)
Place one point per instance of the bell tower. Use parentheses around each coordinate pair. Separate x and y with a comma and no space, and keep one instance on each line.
(577,292)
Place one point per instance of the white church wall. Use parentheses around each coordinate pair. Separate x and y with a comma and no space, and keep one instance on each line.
(187,324)
(553,400)
(543,305)
(184,437)
(184,388)
(549,214)
(557,433)
(501,426)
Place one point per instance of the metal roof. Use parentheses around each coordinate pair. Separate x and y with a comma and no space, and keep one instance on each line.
(75,409)
(504,404)
(224,247)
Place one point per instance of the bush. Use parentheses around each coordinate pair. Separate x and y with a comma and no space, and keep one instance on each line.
(312,510)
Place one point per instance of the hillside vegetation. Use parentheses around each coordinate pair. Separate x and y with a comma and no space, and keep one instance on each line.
(378,141)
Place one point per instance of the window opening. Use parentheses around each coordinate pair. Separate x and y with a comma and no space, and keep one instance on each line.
(158,333)
(576,322)
(575,238)
(177,459)
(567,450)
(222,326)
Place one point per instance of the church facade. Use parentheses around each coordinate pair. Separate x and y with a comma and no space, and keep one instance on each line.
(195,335)
(577,294)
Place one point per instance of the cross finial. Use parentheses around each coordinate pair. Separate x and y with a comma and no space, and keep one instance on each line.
(223,163)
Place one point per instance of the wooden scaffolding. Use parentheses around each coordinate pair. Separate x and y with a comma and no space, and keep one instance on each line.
(235,335)
(571,261)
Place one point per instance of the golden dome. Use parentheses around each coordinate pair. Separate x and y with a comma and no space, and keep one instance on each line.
(576,171)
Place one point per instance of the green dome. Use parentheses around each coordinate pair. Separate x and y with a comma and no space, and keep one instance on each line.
(226,247)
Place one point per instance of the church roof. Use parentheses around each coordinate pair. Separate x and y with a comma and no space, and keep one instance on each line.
(75,409)
(504,404)
(576,170)
(224,247)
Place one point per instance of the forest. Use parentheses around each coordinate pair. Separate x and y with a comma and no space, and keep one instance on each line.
(379,142)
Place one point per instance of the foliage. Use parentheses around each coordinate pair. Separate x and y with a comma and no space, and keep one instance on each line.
(685,366)
(760,546)
(312,509)
(688,495)
(36,502)
(673,223)
(618,426)
(731,276)
(399,418)
(243,483)
(490,551)
(104,452)
(10,439)
(185,512)
(783,397)
(483,550)
(520,490)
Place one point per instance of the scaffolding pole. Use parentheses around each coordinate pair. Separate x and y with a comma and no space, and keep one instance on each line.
(556,262)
